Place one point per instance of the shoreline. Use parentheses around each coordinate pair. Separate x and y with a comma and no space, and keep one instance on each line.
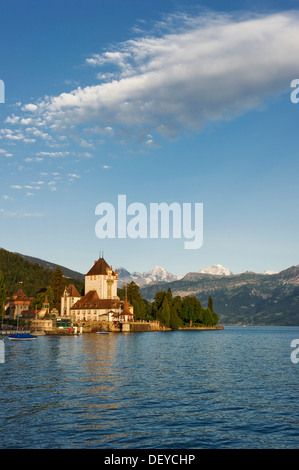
(191,328)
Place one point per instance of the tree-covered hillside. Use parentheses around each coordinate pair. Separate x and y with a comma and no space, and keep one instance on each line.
(30,277)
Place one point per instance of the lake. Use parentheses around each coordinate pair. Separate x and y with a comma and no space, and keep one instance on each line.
(235,388)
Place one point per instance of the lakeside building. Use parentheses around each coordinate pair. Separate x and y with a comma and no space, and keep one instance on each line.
(69,298)
(17,304)
(100,302)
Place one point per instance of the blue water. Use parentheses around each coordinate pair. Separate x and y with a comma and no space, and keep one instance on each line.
(233,388)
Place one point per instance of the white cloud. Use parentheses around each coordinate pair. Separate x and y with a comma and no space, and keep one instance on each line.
(85,155)
(199,69)
(26,121)
(5,153)
(31,214)
(30,107)
(12,119)
(53,154)
(36,159)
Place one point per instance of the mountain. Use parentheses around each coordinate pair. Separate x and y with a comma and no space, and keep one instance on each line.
(217,270)
(52,266)
(246,298)
(29,275)
(156,275)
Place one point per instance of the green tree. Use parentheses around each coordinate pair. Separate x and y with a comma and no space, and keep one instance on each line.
(157,303)
(191,310)
(135,299)
(163,314)
(210,304)
(57,284)
(41,296)
(174,315)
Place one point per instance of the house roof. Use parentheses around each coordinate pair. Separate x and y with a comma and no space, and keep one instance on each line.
(72,291)
(92,300)
(19,296)
(99,267)
(126,308)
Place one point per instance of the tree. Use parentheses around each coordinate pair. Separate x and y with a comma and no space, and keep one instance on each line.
(174,313)
(40,298)
(135,299)
(191,310)
(157,304)
(210,304)
(57,284)
(163,314)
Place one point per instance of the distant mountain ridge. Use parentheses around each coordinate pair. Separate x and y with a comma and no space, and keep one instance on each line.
(217,270)
(159,274)
(246,298)
(155,275)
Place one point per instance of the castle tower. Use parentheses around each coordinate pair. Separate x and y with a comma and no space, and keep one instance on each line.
(102,279)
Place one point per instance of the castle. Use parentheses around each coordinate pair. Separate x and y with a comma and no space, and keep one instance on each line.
(100,302)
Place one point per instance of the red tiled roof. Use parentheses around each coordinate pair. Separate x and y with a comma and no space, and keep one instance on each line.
(72,291)
(20,295)
(99,267)
(92,300)
(126,308)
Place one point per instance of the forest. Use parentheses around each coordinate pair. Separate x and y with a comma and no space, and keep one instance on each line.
(173,312)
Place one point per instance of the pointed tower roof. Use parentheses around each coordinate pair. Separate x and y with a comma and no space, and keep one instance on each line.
(72,291)
(126,309)
(99,267)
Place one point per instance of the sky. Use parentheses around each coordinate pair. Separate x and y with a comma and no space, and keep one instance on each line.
(177,101)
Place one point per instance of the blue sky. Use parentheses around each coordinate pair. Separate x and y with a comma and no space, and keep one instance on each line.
(173,101)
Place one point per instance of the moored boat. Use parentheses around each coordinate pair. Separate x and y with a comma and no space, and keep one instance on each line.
(22,336)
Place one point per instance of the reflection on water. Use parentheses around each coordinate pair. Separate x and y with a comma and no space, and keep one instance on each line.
(233,388)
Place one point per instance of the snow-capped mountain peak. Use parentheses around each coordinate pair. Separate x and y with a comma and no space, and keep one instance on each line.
(143,278)
(217,270)
(156,274)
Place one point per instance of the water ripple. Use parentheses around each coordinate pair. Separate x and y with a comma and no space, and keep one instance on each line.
(234,388)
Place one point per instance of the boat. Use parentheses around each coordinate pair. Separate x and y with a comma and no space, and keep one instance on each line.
(22,336)
(102,332)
